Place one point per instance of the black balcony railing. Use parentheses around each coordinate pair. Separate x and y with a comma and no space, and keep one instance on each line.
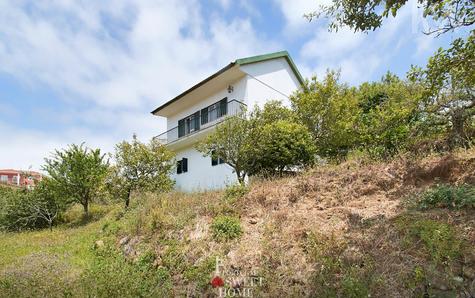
(202,120)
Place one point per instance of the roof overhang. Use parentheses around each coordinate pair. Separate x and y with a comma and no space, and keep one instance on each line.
(226,75)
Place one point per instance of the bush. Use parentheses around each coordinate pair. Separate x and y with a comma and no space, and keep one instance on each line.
(281,146)
(439,239)
(226,228)
(448,196)
(111,275)
(235,191)
(29,209)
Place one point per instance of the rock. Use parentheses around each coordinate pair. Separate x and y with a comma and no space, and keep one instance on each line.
(124,240)
(98,244)
(129,251)
(469,258)
(458,279)
(469,272)
(253,221)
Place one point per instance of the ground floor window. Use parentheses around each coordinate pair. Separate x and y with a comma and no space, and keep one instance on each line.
(216,160)
(182,166)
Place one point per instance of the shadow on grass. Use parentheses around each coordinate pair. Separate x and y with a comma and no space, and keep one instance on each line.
(75,216)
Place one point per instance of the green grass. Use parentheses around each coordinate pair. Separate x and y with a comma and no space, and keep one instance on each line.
(43,262)
(447,196)
(71,242)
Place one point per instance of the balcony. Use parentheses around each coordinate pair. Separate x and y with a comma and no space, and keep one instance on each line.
(202,120)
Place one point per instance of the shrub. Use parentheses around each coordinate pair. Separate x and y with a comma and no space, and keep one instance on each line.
(226,228)
(439,239)
(111,275)
(280,146)
(235,191)
(29,209)
(448,196)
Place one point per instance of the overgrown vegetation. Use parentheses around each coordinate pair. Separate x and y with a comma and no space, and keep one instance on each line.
(226,228)
(447,196)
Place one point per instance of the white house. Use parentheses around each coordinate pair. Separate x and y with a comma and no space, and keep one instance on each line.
(194,113)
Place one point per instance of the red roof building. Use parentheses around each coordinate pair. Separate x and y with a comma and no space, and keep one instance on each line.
(19,178)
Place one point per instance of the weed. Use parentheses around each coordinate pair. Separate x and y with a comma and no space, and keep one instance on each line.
(226,228)
(448,196)
(235,192)
(439,239)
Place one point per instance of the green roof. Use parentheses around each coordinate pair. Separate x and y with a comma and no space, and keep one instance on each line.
(241,61)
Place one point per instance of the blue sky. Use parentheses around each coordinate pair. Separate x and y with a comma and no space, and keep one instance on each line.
(91,71)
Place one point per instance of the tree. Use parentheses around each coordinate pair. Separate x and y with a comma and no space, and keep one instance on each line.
(140,167)
(77,173)
(449,90)
(329,109)
(388,111)
(282,145)
(368,15)
(230,142)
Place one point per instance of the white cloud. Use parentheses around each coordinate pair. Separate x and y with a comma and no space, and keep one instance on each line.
(293,11)
(359,56)
(112,64)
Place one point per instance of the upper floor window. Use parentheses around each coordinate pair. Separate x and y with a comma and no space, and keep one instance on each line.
(192,123)
(189,124)
(214,111)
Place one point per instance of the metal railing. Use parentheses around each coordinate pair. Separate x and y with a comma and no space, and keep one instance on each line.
(233,107)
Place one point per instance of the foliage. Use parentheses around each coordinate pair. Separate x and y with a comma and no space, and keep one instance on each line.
(235,191)
(448,196)
(448,98)
(77,173)
(327,108)
(369,15)
(375,117)
(439,239)
(282,145)
(388,109)
(110,275)
(230,142)
(140,167)
(226,228)
(29,209)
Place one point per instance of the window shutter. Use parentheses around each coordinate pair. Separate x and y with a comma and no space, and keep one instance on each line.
(184,165)
(223,107)
(179,167)
(204,116)
(181,128)
(196,119)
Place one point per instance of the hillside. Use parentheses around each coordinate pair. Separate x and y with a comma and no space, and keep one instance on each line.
(350,230)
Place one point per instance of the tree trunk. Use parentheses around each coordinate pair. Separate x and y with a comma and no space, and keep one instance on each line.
(85,205)
(457,135)
(127,199)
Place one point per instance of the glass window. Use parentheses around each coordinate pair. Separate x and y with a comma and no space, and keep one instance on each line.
(4,178)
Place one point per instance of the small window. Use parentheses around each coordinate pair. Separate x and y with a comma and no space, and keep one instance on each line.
(216,160)
(4,178)
(182,166)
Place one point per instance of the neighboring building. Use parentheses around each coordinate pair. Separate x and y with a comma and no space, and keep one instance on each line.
(19,178)
(194,113)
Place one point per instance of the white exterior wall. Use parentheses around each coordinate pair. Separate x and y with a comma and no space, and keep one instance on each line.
(201,174)
(275,73)
(249,89)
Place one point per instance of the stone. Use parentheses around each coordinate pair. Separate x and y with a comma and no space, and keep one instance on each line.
(98,244)
(253,221)
(124,240)
(469,272)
